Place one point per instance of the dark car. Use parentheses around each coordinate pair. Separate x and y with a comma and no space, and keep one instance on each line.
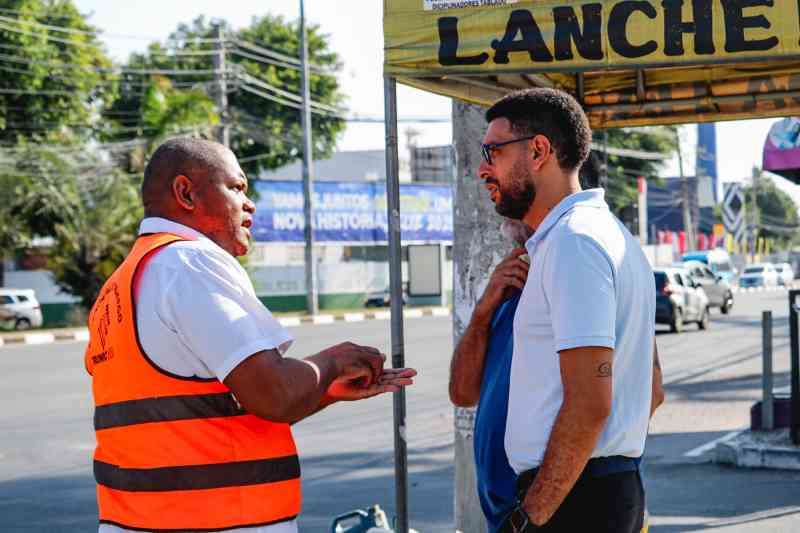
(381,299)
(716,287)
(679,299)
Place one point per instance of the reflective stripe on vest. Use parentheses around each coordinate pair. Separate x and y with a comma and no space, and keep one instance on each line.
(174,452)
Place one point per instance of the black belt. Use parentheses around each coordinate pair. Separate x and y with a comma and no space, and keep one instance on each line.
(596,467)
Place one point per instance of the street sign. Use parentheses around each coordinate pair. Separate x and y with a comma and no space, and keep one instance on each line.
(733,211)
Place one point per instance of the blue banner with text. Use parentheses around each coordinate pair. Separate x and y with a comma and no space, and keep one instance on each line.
(351,212)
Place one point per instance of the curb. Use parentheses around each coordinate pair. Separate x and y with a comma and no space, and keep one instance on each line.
(45,337)
(751,450)
(737,290)
(82,334)
(289,322)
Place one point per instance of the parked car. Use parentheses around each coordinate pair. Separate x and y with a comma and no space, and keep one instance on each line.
(718,260)
(716,287)
(785,273)
(679,299)
(20,309)
(381,299)
(759,275)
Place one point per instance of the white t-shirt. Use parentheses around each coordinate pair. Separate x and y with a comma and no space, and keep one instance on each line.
(589,284)
(198,315)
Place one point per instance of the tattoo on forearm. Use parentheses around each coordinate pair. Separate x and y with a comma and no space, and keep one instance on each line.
(604,370)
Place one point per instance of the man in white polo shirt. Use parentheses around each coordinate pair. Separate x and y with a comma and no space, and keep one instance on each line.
(583,357)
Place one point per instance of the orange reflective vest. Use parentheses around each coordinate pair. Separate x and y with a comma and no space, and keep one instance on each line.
(176,453)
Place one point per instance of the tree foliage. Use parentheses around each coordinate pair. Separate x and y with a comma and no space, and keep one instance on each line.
(776,212)
(261,129)
(54,80)
(621,188)
(88,207)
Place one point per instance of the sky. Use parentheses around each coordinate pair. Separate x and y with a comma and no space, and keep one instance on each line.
(355,31)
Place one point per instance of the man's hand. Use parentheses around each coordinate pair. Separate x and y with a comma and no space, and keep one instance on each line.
(508,275)
(355,363)
(390,380)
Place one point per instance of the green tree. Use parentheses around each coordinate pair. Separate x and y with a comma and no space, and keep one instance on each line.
(55,73)
(86,205)
(166,111)
(265,133)
(776,212)
(621,188)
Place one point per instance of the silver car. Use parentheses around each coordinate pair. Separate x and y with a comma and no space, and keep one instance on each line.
(716,287)
(20,309)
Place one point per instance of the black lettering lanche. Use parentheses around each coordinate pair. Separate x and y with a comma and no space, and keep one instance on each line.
(523,34)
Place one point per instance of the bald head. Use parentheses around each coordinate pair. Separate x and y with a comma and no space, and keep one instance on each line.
(197,159)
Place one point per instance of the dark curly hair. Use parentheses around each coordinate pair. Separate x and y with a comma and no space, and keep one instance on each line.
(552,113)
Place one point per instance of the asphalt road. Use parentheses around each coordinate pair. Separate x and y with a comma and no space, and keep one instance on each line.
(712,377)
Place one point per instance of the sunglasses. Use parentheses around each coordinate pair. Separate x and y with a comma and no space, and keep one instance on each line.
(487,149)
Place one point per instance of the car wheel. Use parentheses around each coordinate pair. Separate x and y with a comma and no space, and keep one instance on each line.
(726,306)
(22,324)
(703,323)
(677,321)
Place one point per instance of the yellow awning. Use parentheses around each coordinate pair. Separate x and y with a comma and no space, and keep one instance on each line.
(629,62)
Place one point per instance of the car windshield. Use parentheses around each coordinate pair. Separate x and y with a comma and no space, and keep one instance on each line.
(661,280)
(754,270)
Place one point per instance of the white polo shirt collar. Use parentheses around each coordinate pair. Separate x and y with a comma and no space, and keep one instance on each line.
(587,198)
(164,225)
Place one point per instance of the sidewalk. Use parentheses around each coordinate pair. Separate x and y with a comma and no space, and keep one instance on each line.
(758,449)
(82,334)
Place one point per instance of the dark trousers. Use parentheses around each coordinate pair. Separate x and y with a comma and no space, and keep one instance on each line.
(612,503)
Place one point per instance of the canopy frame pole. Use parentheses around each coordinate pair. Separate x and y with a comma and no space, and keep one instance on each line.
(396,301)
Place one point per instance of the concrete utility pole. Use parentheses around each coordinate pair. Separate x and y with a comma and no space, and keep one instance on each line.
(604,170)
(477,247)
(642,187)
(312,304)
(753,213)
(221,92)
(688,228)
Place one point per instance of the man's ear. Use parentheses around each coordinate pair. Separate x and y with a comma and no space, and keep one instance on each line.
(184,192)
(540,150)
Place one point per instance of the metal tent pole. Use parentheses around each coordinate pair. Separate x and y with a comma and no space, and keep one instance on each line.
(396,288)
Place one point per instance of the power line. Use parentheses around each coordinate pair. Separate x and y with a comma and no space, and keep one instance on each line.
(6,27)
(260,59)
(98,33)
(247,78)
(112,70)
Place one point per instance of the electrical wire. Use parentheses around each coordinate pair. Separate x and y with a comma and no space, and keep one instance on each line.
(248,78)
(97,33)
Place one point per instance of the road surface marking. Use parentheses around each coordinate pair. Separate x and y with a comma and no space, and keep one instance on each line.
(354,317)
(323,319)
(707,447)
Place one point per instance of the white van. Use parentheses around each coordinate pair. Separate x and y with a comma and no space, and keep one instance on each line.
(20,309)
